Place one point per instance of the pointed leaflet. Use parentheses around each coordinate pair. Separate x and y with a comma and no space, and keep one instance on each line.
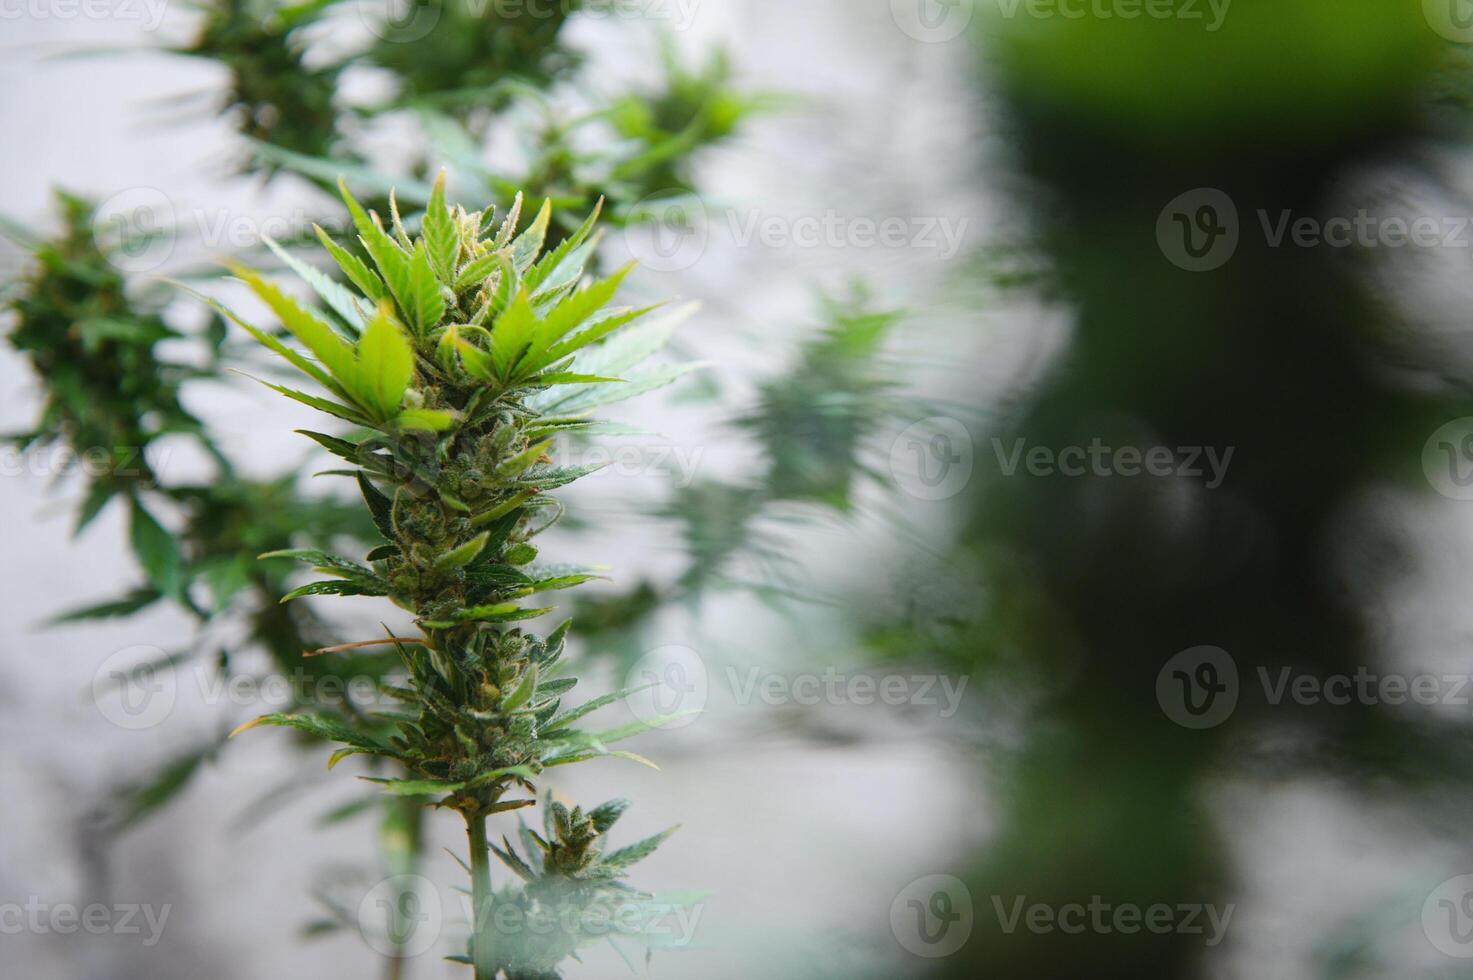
(513,332)
(156,551)
(464,554)
(573,311)
(344,303)
(442,239)
(385,364)
(549,269)
(392,261)
(322,340)
(426,299)
(295,359)
(525,249)
(358,274)
(379,506)
(595,332)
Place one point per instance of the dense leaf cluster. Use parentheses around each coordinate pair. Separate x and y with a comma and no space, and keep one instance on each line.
(464,351)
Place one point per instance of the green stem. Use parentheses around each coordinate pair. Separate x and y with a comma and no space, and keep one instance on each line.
(480,896)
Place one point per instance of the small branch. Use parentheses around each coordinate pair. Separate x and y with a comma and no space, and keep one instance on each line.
(363,643)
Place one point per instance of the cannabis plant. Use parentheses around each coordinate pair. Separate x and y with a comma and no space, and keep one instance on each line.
(273,93)
(110,399)
(460,55)
(813,423)
(464,353)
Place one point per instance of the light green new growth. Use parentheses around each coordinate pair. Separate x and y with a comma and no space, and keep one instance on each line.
(466,353)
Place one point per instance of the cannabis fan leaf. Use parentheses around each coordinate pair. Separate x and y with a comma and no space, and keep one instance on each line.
(446,361)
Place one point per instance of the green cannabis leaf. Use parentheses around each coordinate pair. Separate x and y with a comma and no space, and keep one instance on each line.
(474,334)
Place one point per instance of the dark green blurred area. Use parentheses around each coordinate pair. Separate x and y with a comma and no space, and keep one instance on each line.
(1282,353)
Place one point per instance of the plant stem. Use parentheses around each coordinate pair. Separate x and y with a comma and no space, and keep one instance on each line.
(480,896)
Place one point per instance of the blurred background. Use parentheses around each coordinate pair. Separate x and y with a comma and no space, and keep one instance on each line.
(1064,542)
